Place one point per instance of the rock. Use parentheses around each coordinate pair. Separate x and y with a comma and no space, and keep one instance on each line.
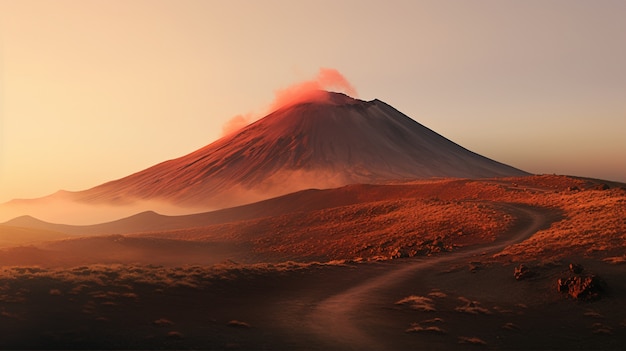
(475,266)
(603,186)
(522,272)
(396,253)
(402,253)
(238,324)
(583,288)
(575,268)
(562,285)
(175,335)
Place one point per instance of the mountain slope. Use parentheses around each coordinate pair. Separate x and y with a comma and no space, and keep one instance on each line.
(317,144)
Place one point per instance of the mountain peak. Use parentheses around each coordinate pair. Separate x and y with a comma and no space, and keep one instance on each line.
(320,97)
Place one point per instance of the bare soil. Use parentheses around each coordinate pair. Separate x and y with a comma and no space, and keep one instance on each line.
(424,265)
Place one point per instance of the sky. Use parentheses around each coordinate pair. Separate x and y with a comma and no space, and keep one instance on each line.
(94,90)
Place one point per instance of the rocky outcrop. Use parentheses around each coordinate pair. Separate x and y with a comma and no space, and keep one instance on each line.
(584,288)
(581,286)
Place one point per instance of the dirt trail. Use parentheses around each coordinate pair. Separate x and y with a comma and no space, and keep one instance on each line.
(338,321)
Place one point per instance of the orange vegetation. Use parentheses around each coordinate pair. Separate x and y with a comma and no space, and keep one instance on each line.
(400,220)
(391,228)
(364,222)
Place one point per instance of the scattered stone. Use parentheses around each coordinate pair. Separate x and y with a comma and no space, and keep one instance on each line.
(603,186)
(471,307)
(238,324)
(417,328)
(175,335)
(402,252)
(475,266)
(593,314)
(615,259)
(583,288)
(575,268)
(162,322)
(420,303)
(573,188)
(599,328)
(471,340)
(522,272)
(510,326)
(437,294)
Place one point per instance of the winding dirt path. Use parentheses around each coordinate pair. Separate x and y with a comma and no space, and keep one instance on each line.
(338,321)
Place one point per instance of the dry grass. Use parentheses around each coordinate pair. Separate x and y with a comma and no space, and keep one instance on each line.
(425,217)
(594,225)
(602,329)
(437,294)
(471,340)
(471,307)
(510,326)
(115,282)
(420,303)
(176,335)
(238,324)
(417,328)
(380,222)
(163,322)
(390,229)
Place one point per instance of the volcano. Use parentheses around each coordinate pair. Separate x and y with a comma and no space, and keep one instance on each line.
(328,141)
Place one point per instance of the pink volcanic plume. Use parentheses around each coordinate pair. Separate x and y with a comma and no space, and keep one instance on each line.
(308,90)
(327,79)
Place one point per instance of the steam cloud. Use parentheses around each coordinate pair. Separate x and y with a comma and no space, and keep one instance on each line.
(327,79)
(308,90)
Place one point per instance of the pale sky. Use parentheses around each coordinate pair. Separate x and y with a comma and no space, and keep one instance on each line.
(91,91)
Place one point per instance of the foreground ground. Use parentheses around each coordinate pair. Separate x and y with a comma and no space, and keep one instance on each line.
(445,306)
(408,266)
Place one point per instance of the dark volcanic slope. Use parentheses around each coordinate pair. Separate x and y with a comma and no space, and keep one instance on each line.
(309,145)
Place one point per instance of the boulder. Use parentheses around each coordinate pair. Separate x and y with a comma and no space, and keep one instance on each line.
(581,287)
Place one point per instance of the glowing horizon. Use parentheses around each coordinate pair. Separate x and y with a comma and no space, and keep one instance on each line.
(92,91)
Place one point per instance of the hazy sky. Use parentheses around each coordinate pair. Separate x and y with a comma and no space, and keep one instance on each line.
(95,90)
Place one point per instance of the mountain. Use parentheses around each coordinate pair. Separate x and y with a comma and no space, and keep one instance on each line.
(326,142)
(319,144)
(300,201)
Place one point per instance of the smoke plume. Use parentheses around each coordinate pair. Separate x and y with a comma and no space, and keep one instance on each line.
(308,90)
(312,90)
